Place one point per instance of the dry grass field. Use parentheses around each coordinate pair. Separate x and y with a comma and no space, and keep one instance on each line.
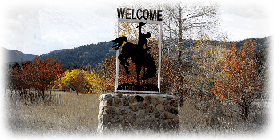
(69,113)
(64,113)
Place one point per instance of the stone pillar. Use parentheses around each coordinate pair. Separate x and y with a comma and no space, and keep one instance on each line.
(138,111)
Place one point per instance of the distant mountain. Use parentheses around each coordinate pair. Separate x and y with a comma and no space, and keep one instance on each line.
(92,54)
(83,55)
(15,55)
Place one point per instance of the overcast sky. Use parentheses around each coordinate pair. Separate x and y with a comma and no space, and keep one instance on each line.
(40,27)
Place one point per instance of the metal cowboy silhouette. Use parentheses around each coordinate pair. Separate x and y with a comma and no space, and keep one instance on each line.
(138,55)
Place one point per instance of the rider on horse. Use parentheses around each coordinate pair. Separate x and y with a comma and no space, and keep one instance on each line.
(138,54)
(143,37)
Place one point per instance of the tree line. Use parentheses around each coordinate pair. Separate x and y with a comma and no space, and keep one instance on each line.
(38,76)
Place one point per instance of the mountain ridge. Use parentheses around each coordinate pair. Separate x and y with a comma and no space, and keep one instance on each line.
(92,54)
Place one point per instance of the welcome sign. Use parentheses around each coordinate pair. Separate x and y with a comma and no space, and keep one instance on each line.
(145,14)
(139,18)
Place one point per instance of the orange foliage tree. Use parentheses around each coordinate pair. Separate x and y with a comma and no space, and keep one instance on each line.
(20,76)
(240,76)
(37,74)
(42,73)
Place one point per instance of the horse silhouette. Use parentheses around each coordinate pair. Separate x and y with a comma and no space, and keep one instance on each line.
(138,55)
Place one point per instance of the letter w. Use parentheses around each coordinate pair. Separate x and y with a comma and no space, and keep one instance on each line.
(121,12)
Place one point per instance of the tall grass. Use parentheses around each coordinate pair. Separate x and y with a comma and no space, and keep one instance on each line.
(62,112)
(69,113)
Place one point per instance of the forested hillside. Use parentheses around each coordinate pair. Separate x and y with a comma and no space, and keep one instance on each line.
(92,54)
(83,55)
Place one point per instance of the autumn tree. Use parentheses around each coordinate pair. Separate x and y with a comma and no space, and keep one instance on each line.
(42,73)
(19,76)
(200,78)
(79,80)
(240,82)
(37,74)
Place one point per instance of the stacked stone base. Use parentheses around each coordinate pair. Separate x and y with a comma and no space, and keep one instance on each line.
(138,112)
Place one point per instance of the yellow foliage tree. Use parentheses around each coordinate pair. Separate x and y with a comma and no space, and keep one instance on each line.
(79,80)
